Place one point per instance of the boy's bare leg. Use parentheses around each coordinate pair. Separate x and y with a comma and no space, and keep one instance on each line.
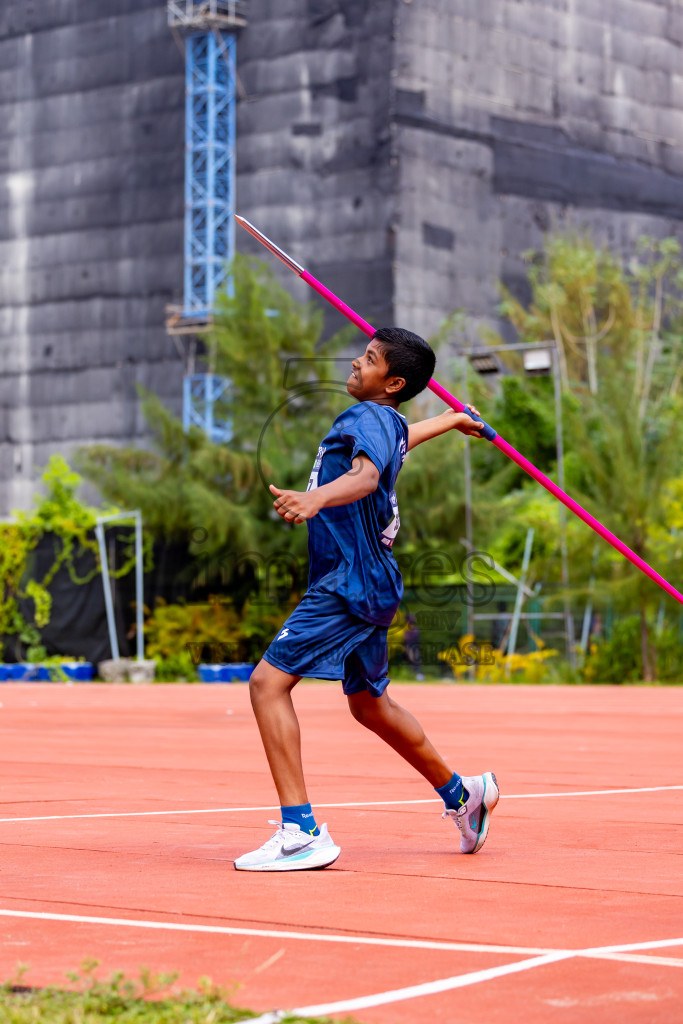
(403,732)
(270,690)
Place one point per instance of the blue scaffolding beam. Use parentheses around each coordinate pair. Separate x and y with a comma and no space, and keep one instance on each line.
(201,391)
(209,167)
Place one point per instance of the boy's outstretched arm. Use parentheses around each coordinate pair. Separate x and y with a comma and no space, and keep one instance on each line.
(297,506)
(448,420)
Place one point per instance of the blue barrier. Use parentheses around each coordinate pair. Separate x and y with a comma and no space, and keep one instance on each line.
(237,673)
(79,671)
(26,672)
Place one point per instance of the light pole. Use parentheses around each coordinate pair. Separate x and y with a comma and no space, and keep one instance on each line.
(539,359)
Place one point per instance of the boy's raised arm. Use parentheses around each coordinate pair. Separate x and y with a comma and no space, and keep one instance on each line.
(424,430)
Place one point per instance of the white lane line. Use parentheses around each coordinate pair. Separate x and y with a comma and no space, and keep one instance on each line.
(598,952)
(395,995)
(353,940)
(446,984)
(635,958)
(632,947)
(591,792)
(354,803)
(411,992)
(152,814)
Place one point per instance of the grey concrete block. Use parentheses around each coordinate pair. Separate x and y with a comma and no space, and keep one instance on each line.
(485,12)
(6,462)
(580,103)
(82,280)
(661,55)
(672,159)
(634,147)
(140,671)
(674,25)
(115,670)
(641,16)
(667,123)
(539,20)
(276,37)
(148,241)
(54,352)
(270,9)
(18,18)
(99,210)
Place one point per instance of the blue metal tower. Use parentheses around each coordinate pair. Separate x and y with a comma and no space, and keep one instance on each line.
(209,167)
(201,391)
(210,81)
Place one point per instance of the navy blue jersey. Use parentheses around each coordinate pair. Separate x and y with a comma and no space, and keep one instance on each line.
(349,547)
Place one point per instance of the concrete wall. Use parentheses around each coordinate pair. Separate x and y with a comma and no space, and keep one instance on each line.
(91,238)
(517,116)
(314,167)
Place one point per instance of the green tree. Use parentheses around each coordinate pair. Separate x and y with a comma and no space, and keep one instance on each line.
(580,298)
(214,497)
(619,335)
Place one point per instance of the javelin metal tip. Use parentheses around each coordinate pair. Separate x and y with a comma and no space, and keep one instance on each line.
(275,249)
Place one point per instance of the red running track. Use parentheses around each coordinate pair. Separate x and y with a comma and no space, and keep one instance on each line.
(572,912)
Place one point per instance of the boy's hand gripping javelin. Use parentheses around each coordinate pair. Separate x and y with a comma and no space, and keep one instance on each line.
(486,431)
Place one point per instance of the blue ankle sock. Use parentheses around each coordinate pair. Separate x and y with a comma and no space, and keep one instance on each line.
(453,794)
(301,815)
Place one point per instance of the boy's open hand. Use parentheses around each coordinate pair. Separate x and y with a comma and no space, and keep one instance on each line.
(295,506)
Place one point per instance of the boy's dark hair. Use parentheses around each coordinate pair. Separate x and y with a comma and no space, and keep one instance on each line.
(407,355)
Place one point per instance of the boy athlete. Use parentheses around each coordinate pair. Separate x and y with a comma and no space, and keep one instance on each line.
(339,629)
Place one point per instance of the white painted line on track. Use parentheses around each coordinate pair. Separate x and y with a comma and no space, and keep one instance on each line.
(598,952)
(428,988)
(152,814)
(353,940)
(632,947)
(635,958)
(543,957)
(354,803)
(446,984)
(589,792)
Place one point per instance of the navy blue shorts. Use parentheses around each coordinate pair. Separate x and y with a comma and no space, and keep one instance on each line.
(323,640)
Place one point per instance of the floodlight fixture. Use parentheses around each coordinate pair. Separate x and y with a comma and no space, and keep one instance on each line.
(537,361)
(484,363)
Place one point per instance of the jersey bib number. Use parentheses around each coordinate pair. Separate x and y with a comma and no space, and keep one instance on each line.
(313,479)
(391,529)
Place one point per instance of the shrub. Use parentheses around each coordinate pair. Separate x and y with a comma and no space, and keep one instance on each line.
(212,631)
(619,659)
(177,668)
(492,666)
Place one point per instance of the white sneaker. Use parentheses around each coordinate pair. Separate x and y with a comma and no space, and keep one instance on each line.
(472,819)
(290,849)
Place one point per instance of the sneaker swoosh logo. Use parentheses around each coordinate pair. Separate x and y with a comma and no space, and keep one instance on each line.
(296,848)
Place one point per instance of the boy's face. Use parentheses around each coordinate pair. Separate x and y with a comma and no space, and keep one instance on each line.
(369,380)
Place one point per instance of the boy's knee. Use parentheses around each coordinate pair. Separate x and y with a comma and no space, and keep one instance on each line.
(259,682)
(365,709)
(266,682)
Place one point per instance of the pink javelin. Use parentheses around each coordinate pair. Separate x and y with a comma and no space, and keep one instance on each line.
(487,431)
